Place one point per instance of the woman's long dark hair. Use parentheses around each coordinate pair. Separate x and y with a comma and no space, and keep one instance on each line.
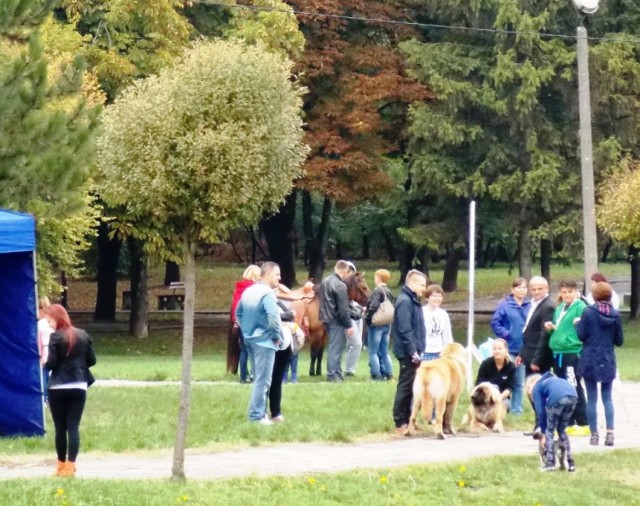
(63,324)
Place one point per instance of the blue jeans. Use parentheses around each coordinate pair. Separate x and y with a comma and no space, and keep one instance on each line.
(263,359)
(337,342)
(558,416)
(592,402)
(518,389)
(378,346)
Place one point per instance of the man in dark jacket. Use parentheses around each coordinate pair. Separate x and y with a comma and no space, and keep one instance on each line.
(535,353)
(409,344)
(336,316)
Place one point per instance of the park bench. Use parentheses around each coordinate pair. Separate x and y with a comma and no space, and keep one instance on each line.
(172,301)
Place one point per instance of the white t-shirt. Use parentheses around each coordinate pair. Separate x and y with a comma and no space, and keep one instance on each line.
(44,334)
(438,327)
(615,300)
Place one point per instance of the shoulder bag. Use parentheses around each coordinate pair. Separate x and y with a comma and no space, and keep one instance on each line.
(384,313)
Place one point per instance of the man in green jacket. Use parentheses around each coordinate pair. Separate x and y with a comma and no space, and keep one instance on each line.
(566,348)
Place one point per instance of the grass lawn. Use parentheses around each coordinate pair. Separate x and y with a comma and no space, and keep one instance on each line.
(608,478)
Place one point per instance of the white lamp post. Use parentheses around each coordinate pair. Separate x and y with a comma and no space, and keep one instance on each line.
(586,148)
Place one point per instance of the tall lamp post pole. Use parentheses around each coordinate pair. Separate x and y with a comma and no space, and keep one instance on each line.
(586,147)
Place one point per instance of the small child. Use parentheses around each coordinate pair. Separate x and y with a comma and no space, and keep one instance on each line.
(554,400)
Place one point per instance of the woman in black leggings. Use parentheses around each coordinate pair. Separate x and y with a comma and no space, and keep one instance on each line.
(70,356)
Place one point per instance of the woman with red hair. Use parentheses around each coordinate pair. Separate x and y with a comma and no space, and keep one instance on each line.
(70,356)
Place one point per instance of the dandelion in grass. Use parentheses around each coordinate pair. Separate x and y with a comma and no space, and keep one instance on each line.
(461,484)
(60,492)
(182,498)
(311,481)
(384,480)
(462,469)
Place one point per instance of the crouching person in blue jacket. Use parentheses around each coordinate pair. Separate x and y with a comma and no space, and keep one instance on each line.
(554,400)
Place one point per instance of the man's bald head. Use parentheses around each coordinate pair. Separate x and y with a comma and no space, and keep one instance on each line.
(539,288)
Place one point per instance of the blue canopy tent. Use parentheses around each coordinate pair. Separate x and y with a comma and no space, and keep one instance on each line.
(21,400)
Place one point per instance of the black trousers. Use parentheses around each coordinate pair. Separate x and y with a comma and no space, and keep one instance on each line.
(404,391)
(275,391)
(560,363)
(67,405)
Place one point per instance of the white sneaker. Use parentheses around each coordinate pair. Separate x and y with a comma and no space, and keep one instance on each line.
(265,421)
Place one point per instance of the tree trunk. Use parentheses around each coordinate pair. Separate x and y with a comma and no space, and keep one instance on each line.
(406,260)
(481,252)
(451,268)
(177,469)
(606,250)
(64,295)
(108,257)
(139,315)
(278,231)
(389,244)
(317,243)
(634,260)
(524,248)
(365,246)
(171,273)
(545,258)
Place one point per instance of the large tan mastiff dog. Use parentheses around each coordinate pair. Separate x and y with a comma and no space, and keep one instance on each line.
(439,382)
(486,411)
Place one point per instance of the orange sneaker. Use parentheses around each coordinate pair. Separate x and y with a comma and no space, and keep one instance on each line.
(68,469)
(59,467)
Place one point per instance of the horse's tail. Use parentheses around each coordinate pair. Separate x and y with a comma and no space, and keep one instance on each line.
(233,349)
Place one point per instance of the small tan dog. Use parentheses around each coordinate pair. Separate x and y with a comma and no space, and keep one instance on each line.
(439,382)
(486,411)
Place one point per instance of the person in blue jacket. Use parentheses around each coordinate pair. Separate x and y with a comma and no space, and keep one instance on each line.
(554,400)
(508,323)
(599,329)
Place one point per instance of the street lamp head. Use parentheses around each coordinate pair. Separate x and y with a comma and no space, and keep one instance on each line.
(586,6)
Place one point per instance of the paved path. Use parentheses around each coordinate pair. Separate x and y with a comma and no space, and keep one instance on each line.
(311,458)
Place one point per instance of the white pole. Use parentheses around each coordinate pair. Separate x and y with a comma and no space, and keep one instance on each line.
(472,274)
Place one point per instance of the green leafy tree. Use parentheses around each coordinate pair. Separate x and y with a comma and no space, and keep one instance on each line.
(203,147)
(500,128)
(46,138)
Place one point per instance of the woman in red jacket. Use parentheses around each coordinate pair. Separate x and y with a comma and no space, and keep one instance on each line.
(236,350)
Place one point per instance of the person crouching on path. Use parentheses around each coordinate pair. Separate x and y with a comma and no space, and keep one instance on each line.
(70,357)
(336,316)
(499,370)
(554,400)
(409,344)
(259,318)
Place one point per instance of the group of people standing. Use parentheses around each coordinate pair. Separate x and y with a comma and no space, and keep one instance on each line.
(575,338)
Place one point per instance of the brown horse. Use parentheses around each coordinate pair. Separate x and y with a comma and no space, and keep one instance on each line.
(358,291)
